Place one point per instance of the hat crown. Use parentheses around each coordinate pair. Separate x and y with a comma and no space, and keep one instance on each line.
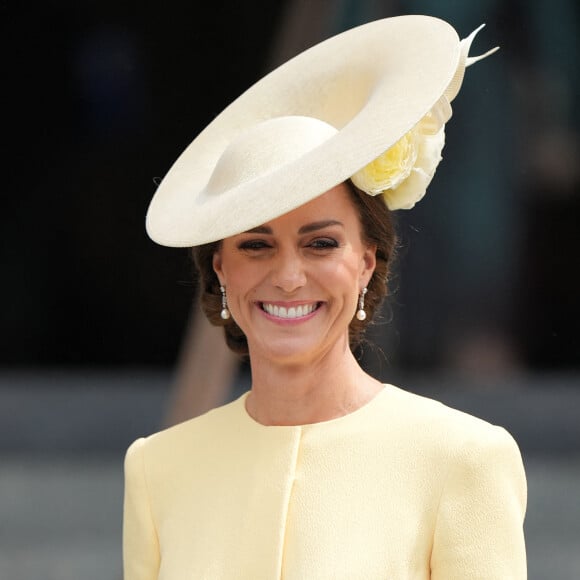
(259,150)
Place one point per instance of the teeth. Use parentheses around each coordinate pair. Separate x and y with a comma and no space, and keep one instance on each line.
(292,312)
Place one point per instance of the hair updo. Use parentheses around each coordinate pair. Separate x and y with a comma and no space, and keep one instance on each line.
(376,229)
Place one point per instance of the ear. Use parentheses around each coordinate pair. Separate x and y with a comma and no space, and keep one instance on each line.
(217,266)
(368,264)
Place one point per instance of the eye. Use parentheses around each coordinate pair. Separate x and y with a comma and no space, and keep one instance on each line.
(253,245)
(323,243)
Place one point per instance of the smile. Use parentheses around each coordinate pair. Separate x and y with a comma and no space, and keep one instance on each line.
(291,312)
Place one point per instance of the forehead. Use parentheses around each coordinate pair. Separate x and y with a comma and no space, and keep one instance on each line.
(334,205)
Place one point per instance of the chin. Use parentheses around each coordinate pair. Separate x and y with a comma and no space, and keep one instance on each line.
(286,354)
(292,350)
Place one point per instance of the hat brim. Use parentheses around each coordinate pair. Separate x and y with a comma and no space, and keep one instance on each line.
(373,83)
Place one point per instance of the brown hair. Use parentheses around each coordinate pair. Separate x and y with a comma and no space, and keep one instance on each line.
(376,229)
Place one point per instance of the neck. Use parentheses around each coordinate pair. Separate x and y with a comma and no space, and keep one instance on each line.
(299,394)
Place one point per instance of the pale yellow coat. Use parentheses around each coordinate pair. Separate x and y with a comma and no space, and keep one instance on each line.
(403,488)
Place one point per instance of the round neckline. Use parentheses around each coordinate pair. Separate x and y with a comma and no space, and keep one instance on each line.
(318,424)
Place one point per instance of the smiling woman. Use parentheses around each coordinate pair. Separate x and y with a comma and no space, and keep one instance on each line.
(375,228)
(319,470)
(313,257)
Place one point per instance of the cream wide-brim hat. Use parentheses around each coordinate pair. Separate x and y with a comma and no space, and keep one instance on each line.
(308,126)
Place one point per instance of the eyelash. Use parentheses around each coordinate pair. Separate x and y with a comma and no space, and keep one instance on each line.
(253,245)
(317,244)
(323,243)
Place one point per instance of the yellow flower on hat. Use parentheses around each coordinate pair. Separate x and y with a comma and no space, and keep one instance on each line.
(389,169)
(403,172)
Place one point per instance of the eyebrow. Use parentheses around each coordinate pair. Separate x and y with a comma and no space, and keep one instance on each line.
(305,229)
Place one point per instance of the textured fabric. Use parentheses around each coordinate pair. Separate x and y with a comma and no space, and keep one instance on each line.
(403,488)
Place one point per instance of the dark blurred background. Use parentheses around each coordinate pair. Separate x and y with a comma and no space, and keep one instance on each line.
(100,98)
(103,96)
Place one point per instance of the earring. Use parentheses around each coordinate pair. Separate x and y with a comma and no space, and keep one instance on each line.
(360,313)
(225,313)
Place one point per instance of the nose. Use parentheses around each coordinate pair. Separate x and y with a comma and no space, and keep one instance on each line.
(288,273)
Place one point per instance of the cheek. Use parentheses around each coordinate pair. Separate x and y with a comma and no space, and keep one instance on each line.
(342,275)
(240,281)
(352,265)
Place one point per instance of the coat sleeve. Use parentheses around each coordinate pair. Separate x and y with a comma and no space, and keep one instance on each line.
(140,542)
(479,528)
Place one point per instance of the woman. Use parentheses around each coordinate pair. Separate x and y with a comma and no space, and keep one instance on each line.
(319,471)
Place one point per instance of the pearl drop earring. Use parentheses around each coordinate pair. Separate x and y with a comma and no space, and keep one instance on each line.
(360,313)
(225,313)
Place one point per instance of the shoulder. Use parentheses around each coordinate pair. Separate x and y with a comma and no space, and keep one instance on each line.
(436,417)
(448,432)
(195,438)
(465,452)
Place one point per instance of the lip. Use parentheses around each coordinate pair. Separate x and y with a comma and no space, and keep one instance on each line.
(287,306)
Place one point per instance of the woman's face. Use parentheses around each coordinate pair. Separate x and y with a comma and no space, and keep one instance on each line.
(293,283)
